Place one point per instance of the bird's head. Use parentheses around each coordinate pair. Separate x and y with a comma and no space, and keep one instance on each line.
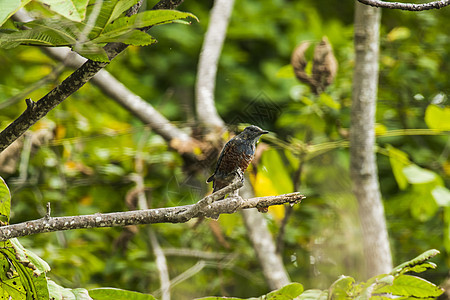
(252,133)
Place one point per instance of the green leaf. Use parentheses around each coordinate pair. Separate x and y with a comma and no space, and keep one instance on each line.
(118,294)
(417,261)
(411,286)
(417,175)
(10,7)
(135,37)
(329,101)
(43,33)
(342,287)
(399,33)
(274,168)
(5,202)
(286,71)
(438,118)
(74,10)
(110,11)
(119,8)
(93,52)
(27,256)
(290,291)
(148,18)
(442,196)
(399,160)
(314,295)
(366,293)
(25,280)
(57,292)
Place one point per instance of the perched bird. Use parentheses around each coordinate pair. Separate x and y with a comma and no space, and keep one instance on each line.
(235,157)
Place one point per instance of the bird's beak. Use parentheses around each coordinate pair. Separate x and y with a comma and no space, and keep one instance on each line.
(264,132)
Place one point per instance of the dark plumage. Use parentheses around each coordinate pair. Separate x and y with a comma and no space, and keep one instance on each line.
(235,157)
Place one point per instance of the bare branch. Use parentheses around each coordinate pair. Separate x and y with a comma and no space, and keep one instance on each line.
(137,217)
(407,6)
(207,64)
(70,85)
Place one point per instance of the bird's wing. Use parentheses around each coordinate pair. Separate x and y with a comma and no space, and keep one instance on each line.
(224,152)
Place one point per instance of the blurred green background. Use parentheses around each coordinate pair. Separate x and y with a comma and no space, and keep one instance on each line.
(92,144)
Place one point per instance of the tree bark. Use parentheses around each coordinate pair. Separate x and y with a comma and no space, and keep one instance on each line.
(208,61)
(263,243)
(363,168)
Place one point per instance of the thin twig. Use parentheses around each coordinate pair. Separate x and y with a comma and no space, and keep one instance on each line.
(407,6)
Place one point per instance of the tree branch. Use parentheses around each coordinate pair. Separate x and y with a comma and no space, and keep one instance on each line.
(70,85)
(207,64)
(407,6)
(148,216)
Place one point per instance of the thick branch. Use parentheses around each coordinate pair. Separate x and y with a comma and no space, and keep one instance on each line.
(363,166)
(207,64)
(137,217)
(71,84)
(407,6)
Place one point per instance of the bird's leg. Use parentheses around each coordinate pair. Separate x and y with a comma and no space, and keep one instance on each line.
(239,175)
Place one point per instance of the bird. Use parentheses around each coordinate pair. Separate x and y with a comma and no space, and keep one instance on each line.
(235,157)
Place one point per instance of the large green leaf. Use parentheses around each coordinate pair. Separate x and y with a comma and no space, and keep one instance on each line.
(74,10)
(58,292)
(10,7)
(18,278)
(411,286)
(118,294)
(43,33)
(5,202)
(437,118)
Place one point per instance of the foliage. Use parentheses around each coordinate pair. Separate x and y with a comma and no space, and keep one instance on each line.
(95,146)
(87,36)
(385,286)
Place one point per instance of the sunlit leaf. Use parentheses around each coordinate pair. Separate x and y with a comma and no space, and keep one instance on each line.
(74,10)
(438,118)
(286,71)
(399,33)
(412,286)
(441,195)
(417,175)
(57,292)
(10,7)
